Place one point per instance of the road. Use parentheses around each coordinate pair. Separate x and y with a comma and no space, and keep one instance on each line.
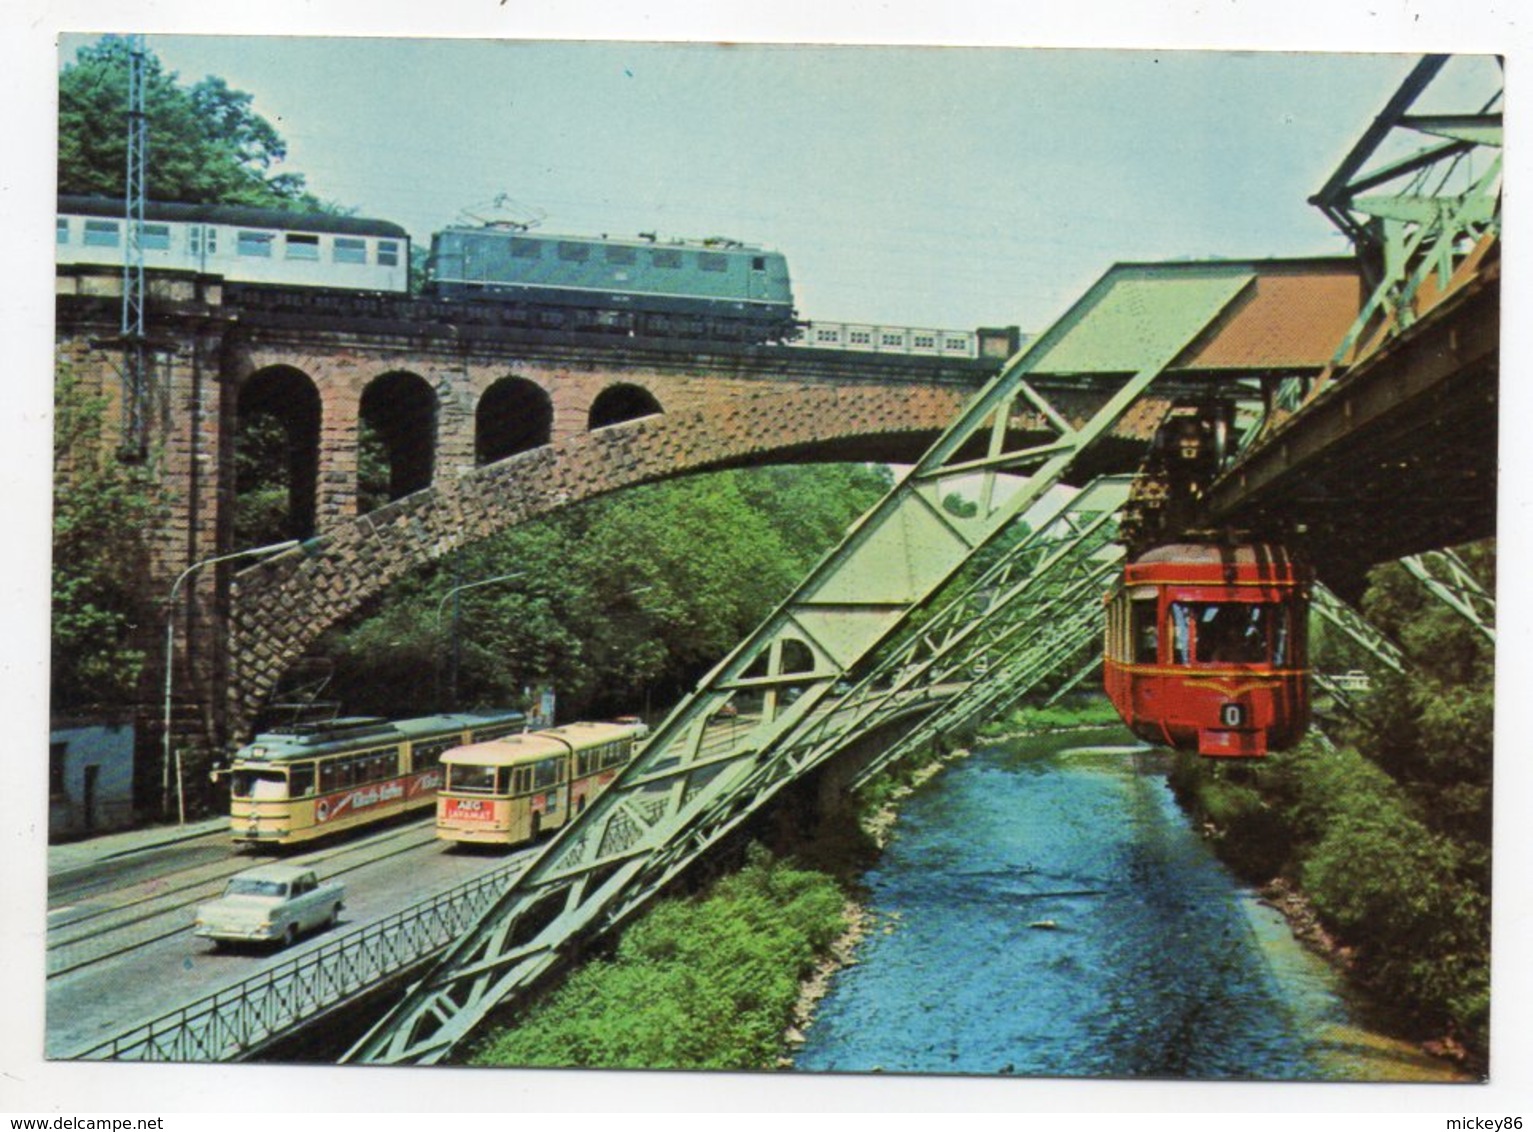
(121,949)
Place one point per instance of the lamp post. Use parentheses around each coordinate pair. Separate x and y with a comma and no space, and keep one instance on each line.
(170,646)
(441,605)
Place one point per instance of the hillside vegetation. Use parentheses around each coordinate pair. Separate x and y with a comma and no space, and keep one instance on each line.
(1388,834)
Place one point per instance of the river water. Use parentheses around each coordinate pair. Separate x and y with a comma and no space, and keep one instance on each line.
(1045,909)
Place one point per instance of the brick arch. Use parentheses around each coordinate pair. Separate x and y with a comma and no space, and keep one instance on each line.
(619,402)
(397,416)
(513,414)
(292,398)
(280,606)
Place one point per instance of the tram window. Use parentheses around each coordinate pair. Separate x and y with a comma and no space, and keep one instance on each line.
(1145,635)
(470,778)
(301,780)
(260,784)
(521,780)
(425,756)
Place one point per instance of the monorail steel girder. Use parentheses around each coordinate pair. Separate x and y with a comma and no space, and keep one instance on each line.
(701,773)
(1048,615)
(1448,579)
(1445,577)
(1422,222)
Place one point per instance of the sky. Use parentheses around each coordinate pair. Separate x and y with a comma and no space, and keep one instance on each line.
(912,186)
(957,185)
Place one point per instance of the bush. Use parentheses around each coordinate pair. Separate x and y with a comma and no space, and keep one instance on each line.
(707,983)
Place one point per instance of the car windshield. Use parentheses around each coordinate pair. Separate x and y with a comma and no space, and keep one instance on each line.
(247,886)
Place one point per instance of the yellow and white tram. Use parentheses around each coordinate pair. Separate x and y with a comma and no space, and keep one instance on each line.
(509,790)
(311,780)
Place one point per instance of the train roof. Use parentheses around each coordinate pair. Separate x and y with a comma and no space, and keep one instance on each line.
(362,731)
(249,216)
(539,744)
(705,243)
(1214,564)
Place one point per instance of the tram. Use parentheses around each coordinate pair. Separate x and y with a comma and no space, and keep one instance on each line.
(1206,648)
(509,790)
(311,780)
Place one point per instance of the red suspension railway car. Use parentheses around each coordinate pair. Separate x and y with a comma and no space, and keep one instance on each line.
(1206,648)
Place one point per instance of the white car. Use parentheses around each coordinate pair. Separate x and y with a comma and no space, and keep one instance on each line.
(271,904)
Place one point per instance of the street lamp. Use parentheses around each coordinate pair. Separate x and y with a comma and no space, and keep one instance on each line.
(441,605)
(170,645)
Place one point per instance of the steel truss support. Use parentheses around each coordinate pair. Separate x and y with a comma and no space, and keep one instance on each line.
(1048,614)
(809,678)
(1446,577)
(1421,223)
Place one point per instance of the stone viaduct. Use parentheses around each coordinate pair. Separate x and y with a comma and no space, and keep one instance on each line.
(477,429)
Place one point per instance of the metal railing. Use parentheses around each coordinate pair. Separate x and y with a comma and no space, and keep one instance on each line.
(237,1021)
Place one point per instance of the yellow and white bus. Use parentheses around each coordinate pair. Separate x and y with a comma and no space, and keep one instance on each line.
(509,790)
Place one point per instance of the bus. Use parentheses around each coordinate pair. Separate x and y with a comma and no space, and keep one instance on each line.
(310,780)
(509,790)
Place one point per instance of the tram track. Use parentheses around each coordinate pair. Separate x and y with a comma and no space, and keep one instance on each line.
(103,934)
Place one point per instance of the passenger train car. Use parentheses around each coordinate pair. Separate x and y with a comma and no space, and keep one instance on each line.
(296,263)
(923,341)
(240,243)
(311,780)
(1206,648)
(509,790)
(715,289)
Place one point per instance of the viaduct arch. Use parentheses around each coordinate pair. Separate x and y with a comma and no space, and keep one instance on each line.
(280,606)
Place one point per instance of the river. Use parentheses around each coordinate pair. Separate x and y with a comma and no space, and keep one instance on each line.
(1045,909)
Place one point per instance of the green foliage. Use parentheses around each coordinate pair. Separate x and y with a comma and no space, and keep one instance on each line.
(1378,863)
(262,495)
(207,143)
(102,509)
(1388,836)
(616,601)
(1094,711)
(708,983)
(1432,728)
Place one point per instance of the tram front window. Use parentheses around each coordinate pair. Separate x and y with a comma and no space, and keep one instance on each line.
(260,785)
(471,779)
(1228,633)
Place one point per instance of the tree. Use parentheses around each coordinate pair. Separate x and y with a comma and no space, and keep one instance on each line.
(101,510)
(619,600)
(206,143)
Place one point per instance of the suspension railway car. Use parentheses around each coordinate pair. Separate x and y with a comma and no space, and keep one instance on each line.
(312,780)
(509,790)
(1206,648)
